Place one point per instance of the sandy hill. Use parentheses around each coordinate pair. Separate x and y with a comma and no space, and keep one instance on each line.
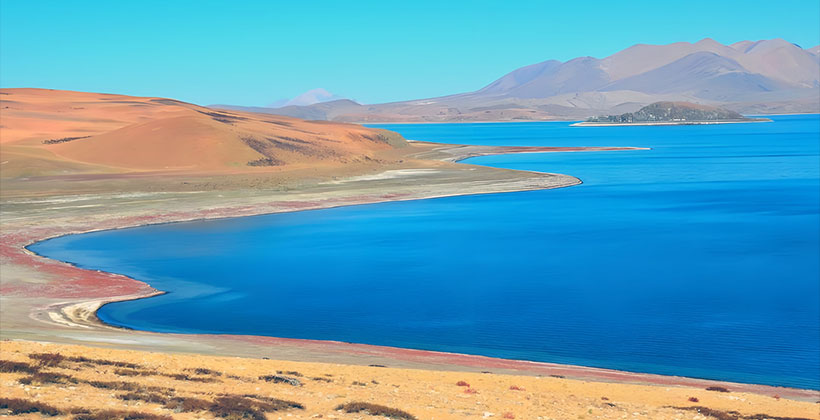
(768,76)
(57,132)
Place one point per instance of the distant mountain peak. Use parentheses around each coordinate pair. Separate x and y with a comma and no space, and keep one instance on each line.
(708,42)
(742,46)
(313,96)
(768,45)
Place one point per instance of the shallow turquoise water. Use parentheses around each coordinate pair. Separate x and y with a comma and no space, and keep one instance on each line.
(696,258)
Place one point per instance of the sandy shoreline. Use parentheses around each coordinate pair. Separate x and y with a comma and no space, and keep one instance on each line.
(51,301)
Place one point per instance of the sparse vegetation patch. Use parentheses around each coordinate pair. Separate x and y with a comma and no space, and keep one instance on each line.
(47,359)
(20,406)
(131,372)
(204,371)
(290,372)
(64,140)
(235,407)
(281,379)
(734,415)
(187,404)
(128,386)
(265,162)
(103,362)
(375,410)
(142,396)
(222,117)
(276,402)
(9,366)
(119,415)
(284,145)
(184,377)
(41,378)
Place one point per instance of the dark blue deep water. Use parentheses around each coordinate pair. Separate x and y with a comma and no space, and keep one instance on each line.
(696,258)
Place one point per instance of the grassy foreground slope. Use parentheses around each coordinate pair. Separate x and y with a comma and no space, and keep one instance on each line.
(85,382)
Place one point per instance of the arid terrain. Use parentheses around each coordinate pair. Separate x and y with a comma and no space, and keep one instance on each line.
(82,381)
(74,162)
(67,133)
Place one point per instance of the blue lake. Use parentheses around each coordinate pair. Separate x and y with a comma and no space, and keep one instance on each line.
(696,258)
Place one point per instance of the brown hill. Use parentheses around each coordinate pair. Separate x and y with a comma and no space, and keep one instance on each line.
(56,132)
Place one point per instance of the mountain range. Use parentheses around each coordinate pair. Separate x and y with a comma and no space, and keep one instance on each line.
(768,76)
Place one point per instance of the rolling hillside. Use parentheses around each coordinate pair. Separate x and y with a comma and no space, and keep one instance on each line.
(46,132)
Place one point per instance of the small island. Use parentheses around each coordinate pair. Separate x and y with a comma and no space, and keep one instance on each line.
(671,113)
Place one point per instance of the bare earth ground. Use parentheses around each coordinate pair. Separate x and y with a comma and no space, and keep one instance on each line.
(47,301)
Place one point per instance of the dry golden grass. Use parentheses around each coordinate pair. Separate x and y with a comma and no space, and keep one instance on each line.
(95,383)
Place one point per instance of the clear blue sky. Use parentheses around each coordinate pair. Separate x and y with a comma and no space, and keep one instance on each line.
(255,52)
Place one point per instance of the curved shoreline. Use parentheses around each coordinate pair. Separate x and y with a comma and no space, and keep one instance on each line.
(81,312)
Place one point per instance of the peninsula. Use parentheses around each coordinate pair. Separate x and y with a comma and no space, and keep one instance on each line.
(671,113)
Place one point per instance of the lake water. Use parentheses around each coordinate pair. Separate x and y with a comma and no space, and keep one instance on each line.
(696,258)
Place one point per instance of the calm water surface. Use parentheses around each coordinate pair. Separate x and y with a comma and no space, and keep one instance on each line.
(696,258)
